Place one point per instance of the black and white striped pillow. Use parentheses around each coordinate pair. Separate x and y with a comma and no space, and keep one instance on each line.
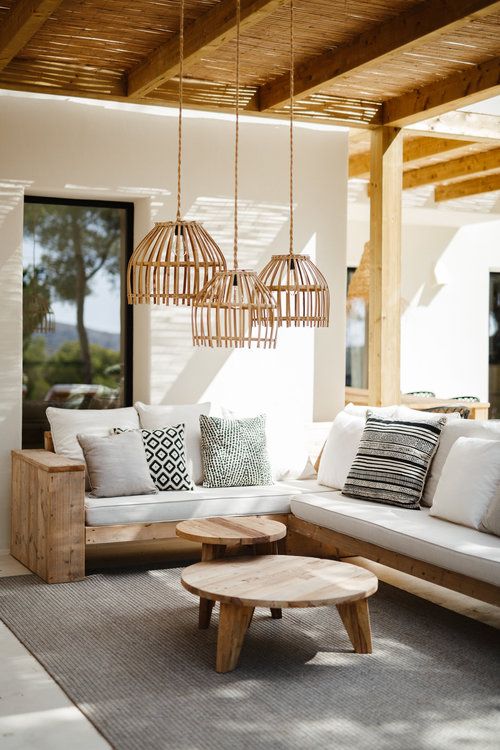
(392,461)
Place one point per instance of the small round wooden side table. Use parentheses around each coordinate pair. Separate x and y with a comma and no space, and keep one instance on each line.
(243,583)
(215,534)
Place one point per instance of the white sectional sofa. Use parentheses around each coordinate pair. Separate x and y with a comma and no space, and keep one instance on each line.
(54,519)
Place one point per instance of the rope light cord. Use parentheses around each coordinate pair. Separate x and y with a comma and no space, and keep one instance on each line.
(292,91)
(236,136)
(181,91)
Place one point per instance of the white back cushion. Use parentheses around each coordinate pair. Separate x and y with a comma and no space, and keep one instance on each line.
(472,428)
(417,415)
(65,424)
(468,482)
(340,449)
(379,411)
(158,416)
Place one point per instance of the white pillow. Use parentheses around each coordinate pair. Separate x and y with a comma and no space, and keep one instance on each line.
(65,424)
(472,428)
(158,416)
(379,411)
(469,481)
(340,449)
(417,415)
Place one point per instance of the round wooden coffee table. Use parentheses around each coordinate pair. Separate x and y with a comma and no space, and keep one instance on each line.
(243,583)
(215,534)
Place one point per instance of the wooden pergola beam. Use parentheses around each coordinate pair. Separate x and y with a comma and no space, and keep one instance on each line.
(405,31)
(449,170)
(460,125)
(459,90)
(202,38)
(414,149)
(20,24)
(486,184)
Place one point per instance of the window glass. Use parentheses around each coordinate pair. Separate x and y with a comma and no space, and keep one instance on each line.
(494,335)
(76,326)
(356,340)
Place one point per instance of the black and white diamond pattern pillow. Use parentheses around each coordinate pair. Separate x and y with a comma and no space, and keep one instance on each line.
(166,456)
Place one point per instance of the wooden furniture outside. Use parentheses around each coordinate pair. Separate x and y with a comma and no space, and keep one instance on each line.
(215,534)
(281,581)
(478,410)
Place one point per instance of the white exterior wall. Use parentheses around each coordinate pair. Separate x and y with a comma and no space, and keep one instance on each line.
(446,260)
(77,148)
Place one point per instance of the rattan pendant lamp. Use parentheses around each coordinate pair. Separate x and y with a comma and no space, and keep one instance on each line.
(176,258)
(299,287)
(235,309)
(359,287)
(38,315)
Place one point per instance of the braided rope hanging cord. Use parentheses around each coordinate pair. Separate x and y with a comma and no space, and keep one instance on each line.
(235,309)
(176,258)
(298,286)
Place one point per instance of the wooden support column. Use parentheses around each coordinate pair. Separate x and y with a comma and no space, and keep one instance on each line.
(386,167)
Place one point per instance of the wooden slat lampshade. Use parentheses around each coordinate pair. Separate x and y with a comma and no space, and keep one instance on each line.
(300,290)
(235,310)
(38,316)
(359,286)
(172,263)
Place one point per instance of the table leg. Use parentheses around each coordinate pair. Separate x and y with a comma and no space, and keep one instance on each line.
(269,548)
(208,552)
(356,619)
(233,624)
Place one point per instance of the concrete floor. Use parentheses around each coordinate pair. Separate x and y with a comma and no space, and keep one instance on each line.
(36,714)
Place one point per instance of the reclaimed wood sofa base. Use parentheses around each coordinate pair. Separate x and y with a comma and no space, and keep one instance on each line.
(49,536)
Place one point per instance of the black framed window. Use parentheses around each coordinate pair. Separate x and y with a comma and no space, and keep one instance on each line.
(77,326)
(356,340)
(494,348)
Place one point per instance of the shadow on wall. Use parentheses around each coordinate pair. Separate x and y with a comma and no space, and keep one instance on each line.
(424,273)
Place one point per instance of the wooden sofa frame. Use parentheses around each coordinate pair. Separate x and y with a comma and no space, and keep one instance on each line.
(49,536)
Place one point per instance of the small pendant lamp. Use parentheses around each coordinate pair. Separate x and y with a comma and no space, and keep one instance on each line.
(235,309)
(299,287)
(176,258)
(359,287)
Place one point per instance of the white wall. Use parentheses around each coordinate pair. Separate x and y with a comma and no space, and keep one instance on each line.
(446,260)
(78,148)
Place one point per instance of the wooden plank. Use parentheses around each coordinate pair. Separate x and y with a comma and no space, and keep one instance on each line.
(51,462)
(134,532)
(486,184)
(413,149)
(470,85)
(453,168)
(419,25)
(21,24)
(385,267)
(48,520)
(202,38)
(461,126)
(330,543)
(226,530)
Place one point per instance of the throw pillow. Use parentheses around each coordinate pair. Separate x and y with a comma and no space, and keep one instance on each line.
(340,450)
(392,462)
(418,415)
(469,482)
(156,417)
(357,410)
(491,520)
(166,457)
(472,428)
(117,465)
(234,452)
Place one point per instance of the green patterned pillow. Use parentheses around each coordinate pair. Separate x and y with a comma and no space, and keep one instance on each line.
(234,452)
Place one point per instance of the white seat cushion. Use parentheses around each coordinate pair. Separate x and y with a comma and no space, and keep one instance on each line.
(203,502)
(410,532)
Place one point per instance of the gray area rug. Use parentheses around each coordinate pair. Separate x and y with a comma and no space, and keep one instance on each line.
(126,649)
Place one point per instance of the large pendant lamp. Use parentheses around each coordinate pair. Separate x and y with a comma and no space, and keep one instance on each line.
(176,258)
(235,309)
(359,286)
(299,287)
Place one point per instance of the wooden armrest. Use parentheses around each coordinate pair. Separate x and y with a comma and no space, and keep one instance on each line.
(47,461)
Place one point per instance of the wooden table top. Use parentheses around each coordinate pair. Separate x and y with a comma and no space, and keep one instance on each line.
(222,530)
(279,581)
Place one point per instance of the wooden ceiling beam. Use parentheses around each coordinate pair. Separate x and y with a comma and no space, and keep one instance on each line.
(483,161)
(20,24)
(486,184)
(202,38)
(413,149)
(459,90)
(406,30)
(461,126)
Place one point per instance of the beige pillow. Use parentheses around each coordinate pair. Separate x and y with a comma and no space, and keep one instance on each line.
(117,465)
